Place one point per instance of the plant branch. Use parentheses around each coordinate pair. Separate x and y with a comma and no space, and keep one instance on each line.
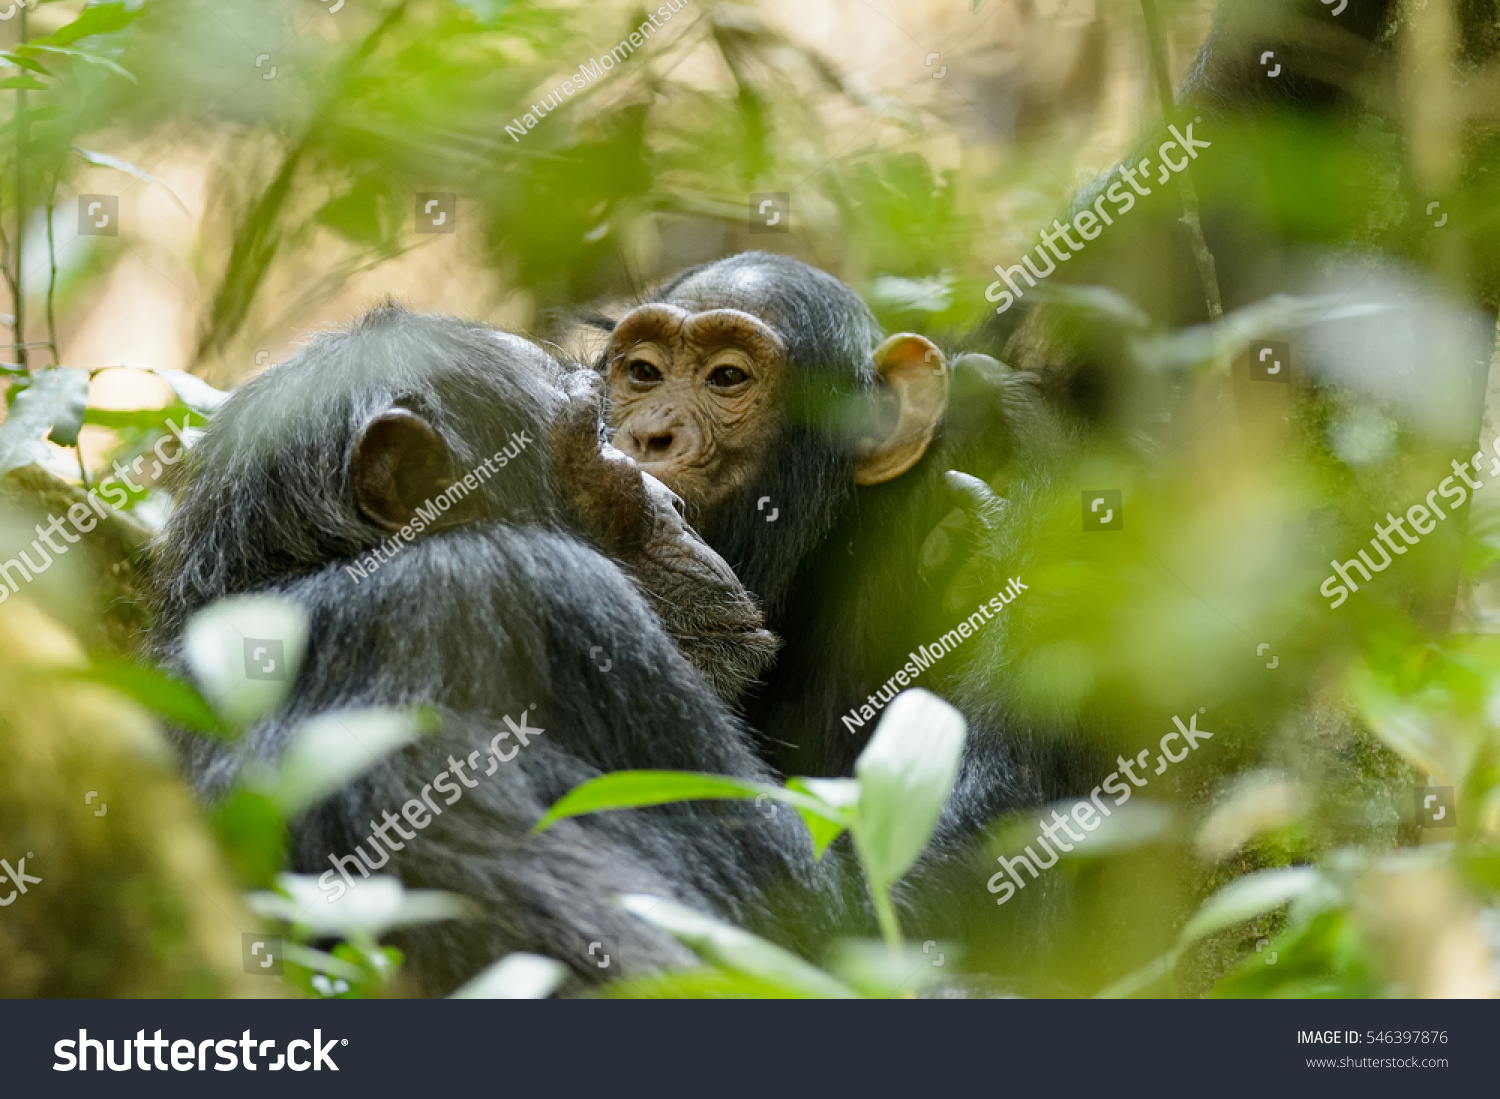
(1207,273)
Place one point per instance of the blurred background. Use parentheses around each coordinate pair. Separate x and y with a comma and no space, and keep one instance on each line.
(191,188)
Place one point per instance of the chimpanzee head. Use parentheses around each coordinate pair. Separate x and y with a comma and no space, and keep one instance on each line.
(403,426)
(760,382)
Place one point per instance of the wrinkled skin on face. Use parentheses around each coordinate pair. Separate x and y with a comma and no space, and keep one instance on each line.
(694,397)
(639,522)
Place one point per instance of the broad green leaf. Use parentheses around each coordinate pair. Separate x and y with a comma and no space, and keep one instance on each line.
(73,402)
(318,961)
(734,949)
(905,774)
(24,82)
(891,292)
(374,906)
(193,391)
(94,19)
(515,977)
(244,653)
(1248,897)
(55,398)
(359,215)
(840,795)
(252,832)
(22,61)
(92,58)
(1098,303)
(104,160)
(1140,979)
(169,698)
(330,749)
(1409,730)
(1138,822)
(875,971)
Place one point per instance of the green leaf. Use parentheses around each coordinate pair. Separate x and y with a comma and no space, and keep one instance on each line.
(244,653)
(330,749)
(374,906)
(84,55)
(876,972)
(1144,977)
(169,698)
(252,832)
(706,983)
(73,402)
(53,397)
(359,215)
(316,961)
(104,160)
(23,82)
(639,789)
(1248,897)
(193,391)
(840,795)
(734,949)
(905,773)
(24,62)
(515,977)
(145,419)
(903,295)
(1099,304)
(94,19)
(636,789)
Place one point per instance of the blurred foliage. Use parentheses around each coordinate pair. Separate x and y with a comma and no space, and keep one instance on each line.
(1285,858)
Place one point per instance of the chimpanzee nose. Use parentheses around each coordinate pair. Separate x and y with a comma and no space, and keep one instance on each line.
(655,446)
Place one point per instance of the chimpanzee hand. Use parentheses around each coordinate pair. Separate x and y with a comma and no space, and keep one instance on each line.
(605,487)
(948,554)
(639,522)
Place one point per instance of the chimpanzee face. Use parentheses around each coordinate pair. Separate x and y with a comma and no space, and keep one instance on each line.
(702,385)
(694,396)
(640,521)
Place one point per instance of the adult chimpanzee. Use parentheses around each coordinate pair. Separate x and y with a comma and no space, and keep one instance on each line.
(812,450)
(508,605)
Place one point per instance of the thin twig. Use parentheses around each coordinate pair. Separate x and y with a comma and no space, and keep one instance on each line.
(1207,273)
(18,283)
(52,267)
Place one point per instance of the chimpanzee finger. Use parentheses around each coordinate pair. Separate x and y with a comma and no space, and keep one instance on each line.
(974,497)
(602,484)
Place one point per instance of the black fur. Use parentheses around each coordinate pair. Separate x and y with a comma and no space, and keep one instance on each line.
(838,572)
(481,620)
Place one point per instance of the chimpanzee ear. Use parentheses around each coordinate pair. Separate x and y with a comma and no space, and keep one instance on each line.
(400,462)
(914,372)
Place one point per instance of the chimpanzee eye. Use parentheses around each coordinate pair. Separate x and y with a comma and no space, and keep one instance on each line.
(727,377)
(642,371)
